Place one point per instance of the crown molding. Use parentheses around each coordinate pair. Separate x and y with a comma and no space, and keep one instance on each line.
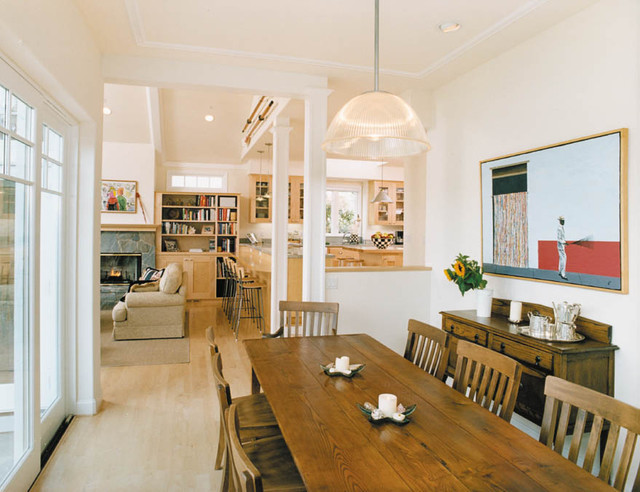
(137,28)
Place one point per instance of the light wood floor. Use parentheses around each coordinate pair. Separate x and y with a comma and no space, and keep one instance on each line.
(158,425)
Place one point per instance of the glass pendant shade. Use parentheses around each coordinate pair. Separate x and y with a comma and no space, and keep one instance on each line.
(376,125)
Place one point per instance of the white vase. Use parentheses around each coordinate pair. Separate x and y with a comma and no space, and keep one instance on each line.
(483,299)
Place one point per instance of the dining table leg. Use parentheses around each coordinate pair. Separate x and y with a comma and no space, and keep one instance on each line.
(255,384)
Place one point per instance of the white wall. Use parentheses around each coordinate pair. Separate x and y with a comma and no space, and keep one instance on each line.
(578,78)
(130,162)
(380,303)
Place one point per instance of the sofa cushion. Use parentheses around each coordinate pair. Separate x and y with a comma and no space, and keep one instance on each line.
(171,279)
(153,299)
(119,312)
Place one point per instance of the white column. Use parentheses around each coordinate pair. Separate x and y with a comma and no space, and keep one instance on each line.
(315,176)
(279,218)
(415,210)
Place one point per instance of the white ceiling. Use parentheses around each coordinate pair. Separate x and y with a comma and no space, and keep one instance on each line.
(333,38)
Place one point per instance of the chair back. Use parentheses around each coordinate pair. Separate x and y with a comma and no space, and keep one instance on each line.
(223,389)
(488,378)
(307,319)
(246,476)
(213,348)
(428,348)
(566,398)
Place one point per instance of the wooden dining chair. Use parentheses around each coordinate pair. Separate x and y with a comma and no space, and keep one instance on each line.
(211,340)
(565,396)
(263,465)
(256,417)
(306,319)
(428,348)
(488,378)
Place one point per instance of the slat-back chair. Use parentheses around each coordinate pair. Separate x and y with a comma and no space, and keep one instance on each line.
(213,348)
(260,465)
(488,378)
(256,417)
(307,319)
(428,348)
(563,396)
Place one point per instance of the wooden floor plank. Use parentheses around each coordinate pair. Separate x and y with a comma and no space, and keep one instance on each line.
(157,428)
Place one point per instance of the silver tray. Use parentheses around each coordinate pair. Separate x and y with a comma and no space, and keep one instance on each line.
(577,337)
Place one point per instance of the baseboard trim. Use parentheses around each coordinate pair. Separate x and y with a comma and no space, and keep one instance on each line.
(87,407)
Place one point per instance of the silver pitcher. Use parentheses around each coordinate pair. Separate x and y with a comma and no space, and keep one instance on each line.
(538,324)
(565,312)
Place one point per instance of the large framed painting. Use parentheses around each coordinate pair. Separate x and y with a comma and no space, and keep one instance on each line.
(559,213)
(118,196)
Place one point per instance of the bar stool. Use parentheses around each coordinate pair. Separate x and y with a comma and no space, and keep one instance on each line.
(248,301)
(229,286)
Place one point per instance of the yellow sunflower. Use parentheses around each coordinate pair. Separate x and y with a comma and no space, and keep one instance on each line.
(459,268)
(446,274)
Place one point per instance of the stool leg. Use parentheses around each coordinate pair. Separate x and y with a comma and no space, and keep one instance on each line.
(260,306)
(239,311)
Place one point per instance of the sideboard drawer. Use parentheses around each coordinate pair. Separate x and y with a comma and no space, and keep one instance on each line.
(467,332)
(523,353)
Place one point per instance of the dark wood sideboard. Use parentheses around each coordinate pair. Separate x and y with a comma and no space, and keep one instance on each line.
(588,363)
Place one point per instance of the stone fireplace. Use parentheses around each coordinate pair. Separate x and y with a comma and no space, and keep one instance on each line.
(124,255)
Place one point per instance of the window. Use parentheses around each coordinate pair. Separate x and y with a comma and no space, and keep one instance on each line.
(343,210)
(196,182)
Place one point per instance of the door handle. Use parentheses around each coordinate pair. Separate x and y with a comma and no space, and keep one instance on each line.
(538,359)
(502,347)
(476,337)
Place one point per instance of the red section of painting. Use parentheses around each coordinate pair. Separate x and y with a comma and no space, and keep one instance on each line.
(594,258)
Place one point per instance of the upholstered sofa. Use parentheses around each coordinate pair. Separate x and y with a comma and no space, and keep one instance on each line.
(153,310)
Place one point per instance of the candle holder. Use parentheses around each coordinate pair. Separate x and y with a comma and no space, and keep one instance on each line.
(375,416)
(331,371)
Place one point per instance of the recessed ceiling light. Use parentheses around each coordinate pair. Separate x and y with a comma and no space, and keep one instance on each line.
(209,118)
(106,110)
(449,27)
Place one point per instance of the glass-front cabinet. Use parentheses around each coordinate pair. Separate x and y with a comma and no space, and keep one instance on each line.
(261,190)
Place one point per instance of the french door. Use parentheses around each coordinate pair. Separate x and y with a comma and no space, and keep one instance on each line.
(34,146)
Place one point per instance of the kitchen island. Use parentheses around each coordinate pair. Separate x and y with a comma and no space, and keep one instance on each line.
(371,256)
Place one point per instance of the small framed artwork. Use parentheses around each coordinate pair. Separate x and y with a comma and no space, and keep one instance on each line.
(118,196)
(207,230)
(171,245)
(559,213)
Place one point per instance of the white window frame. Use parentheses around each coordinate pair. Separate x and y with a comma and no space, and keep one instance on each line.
(346,187)
(179,172)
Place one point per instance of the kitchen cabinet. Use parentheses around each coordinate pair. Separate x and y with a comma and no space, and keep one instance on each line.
(387,213)
(260,198)
(589,363)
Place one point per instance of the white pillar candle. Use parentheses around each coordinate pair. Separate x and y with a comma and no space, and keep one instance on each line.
(342,363)
(388,404)
(515,311)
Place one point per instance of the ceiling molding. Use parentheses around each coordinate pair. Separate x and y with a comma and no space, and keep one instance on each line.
(137,28)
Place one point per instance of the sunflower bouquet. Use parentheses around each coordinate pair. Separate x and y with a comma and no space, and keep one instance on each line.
(466,273)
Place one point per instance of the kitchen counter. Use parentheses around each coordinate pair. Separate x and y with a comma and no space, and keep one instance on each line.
(369,254)
(393,249)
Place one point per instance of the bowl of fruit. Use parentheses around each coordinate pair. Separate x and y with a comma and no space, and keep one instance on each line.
(382,240)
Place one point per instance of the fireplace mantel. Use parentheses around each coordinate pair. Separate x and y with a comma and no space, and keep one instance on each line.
(130,227)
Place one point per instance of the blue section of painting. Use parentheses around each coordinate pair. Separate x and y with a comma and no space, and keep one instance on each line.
(611,283)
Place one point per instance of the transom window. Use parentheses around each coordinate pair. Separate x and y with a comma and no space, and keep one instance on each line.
(203,182)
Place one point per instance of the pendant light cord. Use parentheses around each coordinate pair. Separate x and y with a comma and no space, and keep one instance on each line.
(376,43)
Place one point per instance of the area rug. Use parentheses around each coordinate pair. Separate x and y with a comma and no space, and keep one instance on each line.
(140,352)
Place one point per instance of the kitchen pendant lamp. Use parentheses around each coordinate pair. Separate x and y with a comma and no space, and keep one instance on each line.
(376,124)
(382,196)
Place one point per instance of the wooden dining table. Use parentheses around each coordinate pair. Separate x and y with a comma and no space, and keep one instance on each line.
(451,442)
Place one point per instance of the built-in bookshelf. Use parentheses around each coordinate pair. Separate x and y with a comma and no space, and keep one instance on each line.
(197,222)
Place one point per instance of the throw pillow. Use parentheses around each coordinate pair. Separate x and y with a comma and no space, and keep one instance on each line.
(172,278)
(152,273)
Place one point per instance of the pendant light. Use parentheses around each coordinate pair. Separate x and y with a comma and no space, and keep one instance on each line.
(268,145)
(382,196)
(376,124)
(260,198)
